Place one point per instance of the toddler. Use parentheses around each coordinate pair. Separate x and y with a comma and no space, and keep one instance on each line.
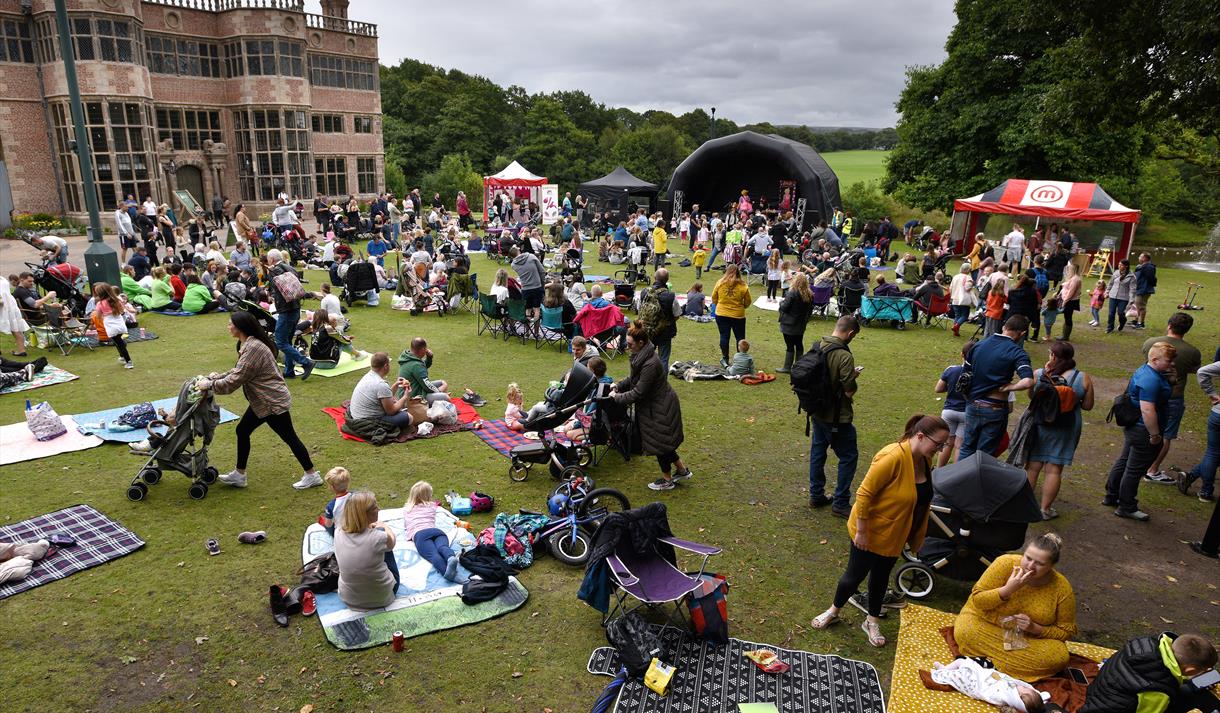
(996,298)
(989,685)
(743,363)
(699,259)
(338,480)
(1097,300)
(785,276)
(1050,313)
(513,415)
(419,525)
(696,301)
(774,275)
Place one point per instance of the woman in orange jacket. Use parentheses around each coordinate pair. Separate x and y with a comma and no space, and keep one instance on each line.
(891,511)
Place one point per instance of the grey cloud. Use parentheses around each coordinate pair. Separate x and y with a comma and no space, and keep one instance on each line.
(819,63)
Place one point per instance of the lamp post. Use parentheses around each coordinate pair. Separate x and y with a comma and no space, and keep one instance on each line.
(711,134)
(101,261)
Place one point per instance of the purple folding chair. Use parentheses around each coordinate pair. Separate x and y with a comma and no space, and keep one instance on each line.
(652,581)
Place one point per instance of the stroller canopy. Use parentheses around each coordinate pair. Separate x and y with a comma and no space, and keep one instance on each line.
(983,488)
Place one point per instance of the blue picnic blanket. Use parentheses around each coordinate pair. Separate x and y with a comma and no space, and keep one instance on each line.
(86,423)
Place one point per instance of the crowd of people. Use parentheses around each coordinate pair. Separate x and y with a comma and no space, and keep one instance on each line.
(1017,290)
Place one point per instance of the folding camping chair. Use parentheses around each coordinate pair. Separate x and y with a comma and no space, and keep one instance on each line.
(516,324)
(651,579)
(552,329)
(491,315)
(821,299)
(850,300)
(470,300)
(66,333)
(936,312)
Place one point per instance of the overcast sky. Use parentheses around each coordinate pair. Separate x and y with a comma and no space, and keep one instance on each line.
(795,62)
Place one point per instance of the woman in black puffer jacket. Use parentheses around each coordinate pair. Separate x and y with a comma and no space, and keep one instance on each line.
(1025,299)
(658,414)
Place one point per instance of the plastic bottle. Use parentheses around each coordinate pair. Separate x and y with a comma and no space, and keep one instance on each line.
(27,405)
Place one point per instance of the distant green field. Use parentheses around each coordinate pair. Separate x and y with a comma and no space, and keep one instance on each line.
(854,166)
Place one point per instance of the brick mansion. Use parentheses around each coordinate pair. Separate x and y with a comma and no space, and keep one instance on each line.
(240,98)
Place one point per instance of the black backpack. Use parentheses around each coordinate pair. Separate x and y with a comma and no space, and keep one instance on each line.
(966,378)
(1125,411)
(635,641)
(476,589)
(812,382)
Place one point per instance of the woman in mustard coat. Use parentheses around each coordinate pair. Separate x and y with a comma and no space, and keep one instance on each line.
(891,511)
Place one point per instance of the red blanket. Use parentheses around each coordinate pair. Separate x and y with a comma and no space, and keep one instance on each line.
(466,417)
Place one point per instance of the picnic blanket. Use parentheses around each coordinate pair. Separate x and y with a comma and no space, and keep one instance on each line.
(17,443)
(346,365)
(172,312)
(98,540)
(499,436)
(715,679)
(48,376)
(426,601)
(698,371)
(339,415)
(764,303)
(88,423)
(922,643)
(137,335)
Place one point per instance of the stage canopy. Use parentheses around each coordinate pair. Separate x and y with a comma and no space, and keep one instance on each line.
(1087,209)
(716,173)
(514,180)
(612,191)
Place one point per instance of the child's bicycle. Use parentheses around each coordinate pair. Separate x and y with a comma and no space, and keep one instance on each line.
(576,510)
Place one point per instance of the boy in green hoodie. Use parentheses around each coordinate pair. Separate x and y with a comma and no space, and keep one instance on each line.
(1147,675)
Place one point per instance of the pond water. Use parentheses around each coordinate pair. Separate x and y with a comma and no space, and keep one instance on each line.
(1205,258)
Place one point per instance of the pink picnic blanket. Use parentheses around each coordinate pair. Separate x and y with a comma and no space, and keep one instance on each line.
(18,444)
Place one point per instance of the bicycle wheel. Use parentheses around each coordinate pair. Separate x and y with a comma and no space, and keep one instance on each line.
(569,551)
(600,502)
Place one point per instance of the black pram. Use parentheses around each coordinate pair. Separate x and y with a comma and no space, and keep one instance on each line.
(981,509)
(360,279)
(196,415)
(561,403)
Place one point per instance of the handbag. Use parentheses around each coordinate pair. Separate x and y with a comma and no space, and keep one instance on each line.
(1125,412)
(44,423)
(321,574)
(709,610)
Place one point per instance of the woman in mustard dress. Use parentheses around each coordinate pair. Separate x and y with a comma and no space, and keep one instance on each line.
(1040,602)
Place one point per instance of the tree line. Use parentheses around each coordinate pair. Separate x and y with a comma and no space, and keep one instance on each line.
(443,130)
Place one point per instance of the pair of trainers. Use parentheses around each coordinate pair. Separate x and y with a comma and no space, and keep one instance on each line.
(473,398)
(238,480)
(670,483)
(1187,480)
(1160,478)
(891,600)
(126,364)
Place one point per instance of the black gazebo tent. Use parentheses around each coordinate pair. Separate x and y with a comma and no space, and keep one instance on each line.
(715,174)
(612,191)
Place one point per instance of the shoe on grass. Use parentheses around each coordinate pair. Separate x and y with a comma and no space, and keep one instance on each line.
(662,484)
(213,546)
(683,475)
(1207,497)
(237,480)
(1050,514)
(309,480)
(1160,478)
(1197,547)
(859,600)
(307,370)
(128,365)
(840,512)
(1184,483)
(252,538)
(819,501)
(1138,515)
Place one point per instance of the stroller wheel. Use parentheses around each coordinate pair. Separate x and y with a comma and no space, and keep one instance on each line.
(152,476)
(573,471)
(136,492)
(199,490)
(584,456)
(518,471)
(915,580)
(908,555)
(209,475)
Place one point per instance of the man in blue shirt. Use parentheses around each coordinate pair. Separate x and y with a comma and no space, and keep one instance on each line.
(993,363)
(377,248)
(1145,287)
(1141,440)
(642,221)
(140,262)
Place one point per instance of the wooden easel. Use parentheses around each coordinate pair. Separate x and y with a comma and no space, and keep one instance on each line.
(1100,264)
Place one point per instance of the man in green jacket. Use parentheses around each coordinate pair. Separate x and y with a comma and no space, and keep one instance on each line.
(832,426)
(413,366)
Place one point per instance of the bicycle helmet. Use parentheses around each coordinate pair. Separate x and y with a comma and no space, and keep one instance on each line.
(558,504)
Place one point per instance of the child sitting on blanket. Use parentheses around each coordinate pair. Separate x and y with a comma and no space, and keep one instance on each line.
(338,480)
(990,686)
(513,415)
(743,363)
(419,524)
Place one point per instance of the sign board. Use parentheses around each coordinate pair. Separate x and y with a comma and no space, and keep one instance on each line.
(548,203)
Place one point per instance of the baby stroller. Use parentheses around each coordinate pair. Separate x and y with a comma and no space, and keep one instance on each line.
(565,461)
(65,280)
(571,267)
(361,278)
(263,316)
(980,510)
(196,415)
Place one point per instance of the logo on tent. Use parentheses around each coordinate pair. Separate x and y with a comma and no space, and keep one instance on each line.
(1048,193)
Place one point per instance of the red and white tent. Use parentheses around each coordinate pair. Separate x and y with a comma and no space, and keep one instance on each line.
(1061,201)
(514,180)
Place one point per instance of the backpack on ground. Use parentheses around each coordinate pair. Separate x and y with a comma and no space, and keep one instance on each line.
(635,642)
(812,382)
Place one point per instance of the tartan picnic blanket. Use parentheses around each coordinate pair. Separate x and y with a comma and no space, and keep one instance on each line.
(498,435)
(98,540)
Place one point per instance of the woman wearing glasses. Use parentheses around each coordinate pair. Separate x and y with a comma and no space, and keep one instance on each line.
(891,511)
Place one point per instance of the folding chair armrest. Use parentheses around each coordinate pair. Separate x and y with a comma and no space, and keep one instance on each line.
(705,550)
(621,573)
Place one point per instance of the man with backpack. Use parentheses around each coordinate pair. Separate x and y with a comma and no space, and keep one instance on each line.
(659,313)
(287,293)
(1186,362)
(993,363)
(824,380)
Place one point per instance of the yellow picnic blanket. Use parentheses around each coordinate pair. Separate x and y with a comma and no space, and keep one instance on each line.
(920,644)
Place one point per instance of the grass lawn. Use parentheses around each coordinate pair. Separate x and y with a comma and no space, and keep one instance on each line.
(130,635)
(853,166)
